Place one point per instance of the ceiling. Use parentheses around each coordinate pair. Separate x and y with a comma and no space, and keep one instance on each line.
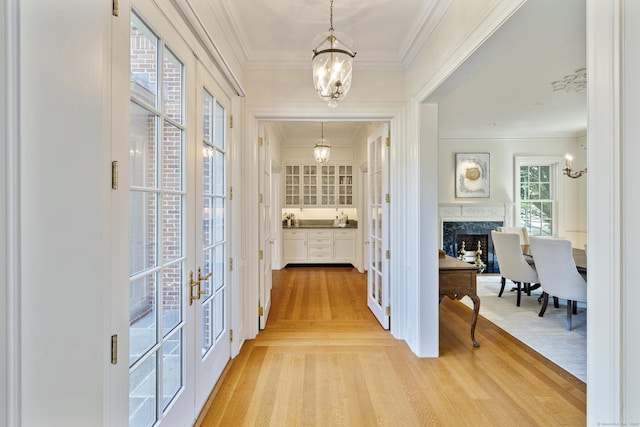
(502,91)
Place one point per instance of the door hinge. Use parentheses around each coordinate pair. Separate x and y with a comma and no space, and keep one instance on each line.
(114,8)
(388,310)
(260,141)
(387,254)
(231,335)
(387,142)
(230,264)
(387,198)
(261,254)
(114,349)
(230,193)
(231,121)
(114,175)
(260,310)
(260,198)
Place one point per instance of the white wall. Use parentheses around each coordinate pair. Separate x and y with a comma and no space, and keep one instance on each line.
(286,87)
(63,177)
(630,231)
(4,317)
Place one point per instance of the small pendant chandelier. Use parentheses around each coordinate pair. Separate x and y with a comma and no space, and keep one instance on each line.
(322,150)
(332,64)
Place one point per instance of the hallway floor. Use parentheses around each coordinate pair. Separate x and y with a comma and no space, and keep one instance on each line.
(324,360)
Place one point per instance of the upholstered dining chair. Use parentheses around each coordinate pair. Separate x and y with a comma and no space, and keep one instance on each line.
(559,276)
(520,231)
(512,264)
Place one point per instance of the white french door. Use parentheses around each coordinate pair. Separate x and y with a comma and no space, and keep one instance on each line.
(213,344)
(158,332)
(264,182)
(378,228)
(179,233)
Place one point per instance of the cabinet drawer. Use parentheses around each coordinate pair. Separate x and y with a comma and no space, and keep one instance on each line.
(315,242)
(319,250)
(327,257)
(294,234)
(320,234)
(344,234)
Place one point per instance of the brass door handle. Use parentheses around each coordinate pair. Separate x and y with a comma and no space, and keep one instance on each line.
(193,284)
(202,278)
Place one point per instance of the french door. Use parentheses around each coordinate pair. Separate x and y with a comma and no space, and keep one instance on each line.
(264,182)
(179,235)
(378,228)
(213,343)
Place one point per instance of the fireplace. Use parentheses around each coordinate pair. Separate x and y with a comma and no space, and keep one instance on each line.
(471,232)
(472,219)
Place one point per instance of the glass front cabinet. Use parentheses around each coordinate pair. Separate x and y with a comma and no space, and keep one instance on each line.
(318,185)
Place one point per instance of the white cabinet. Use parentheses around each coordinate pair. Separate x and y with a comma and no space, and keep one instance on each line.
(344,246)
(294,246)
(345,185)
(318,246)
(292,185)
(318,186)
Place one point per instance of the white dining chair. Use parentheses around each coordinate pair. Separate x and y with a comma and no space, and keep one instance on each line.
(520,231)
(559,276)
(512,264)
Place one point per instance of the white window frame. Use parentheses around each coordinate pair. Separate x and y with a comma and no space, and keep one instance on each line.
(555,164)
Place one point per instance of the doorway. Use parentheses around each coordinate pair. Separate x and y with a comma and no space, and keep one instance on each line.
(291,146)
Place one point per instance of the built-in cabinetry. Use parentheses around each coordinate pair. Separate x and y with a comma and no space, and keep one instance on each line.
(294,245)
(322,246)
(318,186)
(319,245)
(344,246)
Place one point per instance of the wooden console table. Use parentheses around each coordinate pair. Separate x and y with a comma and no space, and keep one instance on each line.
(457,279)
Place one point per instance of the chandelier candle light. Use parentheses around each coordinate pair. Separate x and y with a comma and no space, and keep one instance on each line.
(332,64)
(568,171)
(322,150)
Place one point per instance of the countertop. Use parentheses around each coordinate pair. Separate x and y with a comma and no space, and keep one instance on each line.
(319,223)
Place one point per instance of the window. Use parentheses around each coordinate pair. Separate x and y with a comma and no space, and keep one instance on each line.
(537,194)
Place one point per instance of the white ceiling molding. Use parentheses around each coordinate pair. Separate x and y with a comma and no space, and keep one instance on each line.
(192,18)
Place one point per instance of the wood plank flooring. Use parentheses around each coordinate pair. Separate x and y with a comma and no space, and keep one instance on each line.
(323,360)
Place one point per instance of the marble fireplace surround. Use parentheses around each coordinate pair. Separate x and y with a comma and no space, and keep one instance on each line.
(456,218)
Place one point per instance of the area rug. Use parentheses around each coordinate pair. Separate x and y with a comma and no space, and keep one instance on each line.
(546,335)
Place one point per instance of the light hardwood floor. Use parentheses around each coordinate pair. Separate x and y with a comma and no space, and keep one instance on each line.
(323,360)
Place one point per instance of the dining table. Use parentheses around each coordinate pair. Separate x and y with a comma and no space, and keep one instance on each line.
(580,258)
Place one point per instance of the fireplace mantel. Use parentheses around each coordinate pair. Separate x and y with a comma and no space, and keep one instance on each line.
(458,212)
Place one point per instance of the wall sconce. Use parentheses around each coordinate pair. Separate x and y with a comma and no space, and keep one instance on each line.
(568,159)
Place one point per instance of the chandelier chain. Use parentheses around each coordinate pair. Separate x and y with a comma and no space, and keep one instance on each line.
(331,16)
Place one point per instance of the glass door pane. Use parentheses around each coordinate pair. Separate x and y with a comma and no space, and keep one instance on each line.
(213,346)
(157,241)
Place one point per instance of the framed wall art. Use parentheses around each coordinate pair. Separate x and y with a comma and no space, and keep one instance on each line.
(472,175)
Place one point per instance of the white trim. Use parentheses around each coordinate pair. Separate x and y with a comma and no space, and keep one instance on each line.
(200,31)
(392,113)
(604,369)
(10,217)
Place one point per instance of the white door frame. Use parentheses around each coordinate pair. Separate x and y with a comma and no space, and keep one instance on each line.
(10,354)
(394,114)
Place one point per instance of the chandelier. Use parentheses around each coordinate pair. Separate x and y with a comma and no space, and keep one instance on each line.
(572,173)
(322,150)
(332,64)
